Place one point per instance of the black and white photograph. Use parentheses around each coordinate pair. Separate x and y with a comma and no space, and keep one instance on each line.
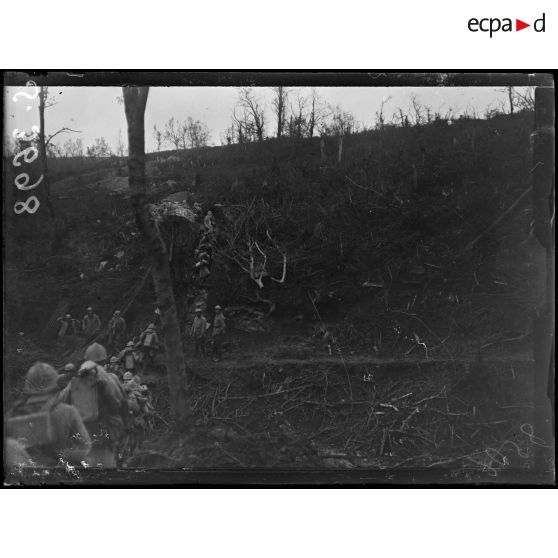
(278,278)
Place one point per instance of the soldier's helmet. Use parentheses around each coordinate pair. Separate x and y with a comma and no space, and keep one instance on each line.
(127,376)
(41,378)
(96,353)
(113,360)
(69,367)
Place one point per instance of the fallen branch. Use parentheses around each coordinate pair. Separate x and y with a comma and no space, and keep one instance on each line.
(410,434)
(364,187)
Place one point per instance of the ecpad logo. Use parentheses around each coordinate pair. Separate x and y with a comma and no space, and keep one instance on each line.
(494,24)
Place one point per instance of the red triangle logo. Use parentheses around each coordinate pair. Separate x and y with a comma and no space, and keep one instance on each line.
(519,25)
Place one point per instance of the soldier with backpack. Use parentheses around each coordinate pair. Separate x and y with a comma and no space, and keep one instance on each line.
(128,357)
(49,431)
(101,402)
(136,424)
(148,344)
(116,329)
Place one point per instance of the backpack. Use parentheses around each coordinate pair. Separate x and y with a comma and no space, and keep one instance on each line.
(84,396)
(133,405)
(129,360)
(33,429)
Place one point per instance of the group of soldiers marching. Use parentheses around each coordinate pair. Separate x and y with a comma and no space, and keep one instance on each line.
(85,415)
(204,251)
(90,325)
(200,333)
(95,412)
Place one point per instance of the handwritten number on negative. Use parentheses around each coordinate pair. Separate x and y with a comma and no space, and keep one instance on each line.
(21,181)
(20,207)
(27,156)
(25,94)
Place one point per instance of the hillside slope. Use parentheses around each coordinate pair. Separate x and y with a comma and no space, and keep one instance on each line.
(376,244)
(414,247)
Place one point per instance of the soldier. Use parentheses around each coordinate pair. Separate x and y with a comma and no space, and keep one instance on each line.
(114,367)
(198,332)
(202,265)
(128,357)
(67,334)
(68,372)
(91,323)
(50,431)
(101,401)
(326,338)
(67,326)
(127,381)
(116,329)
(149,344)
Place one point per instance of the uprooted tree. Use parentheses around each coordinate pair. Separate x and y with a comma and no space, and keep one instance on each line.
(249,244)
(135,99)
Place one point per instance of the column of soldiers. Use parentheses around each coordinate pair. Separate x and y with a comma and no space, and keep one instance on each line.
(88,415)
(204,251)
(70,328)
(97,412)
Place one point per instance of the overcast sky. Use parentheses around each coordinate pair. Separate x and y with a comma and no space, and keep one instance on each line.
(96,112)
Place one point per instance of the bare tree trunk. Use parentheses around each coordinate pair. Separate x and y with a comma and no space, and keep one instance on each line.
(135,99)
(43,94)
(279,104)
(312,120)
(340,153)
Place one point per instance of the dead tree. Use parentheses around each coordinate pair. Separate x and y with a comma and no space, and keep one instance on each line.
(43,94)
(158,136)
(173,134)
(279,103)
(316,114)
(258,269)
(254,260)
(298,123)
(135,99)
(254,110)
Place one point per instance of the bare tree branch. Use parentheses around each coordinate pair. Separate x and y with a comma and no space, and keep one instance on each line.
(62,130)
